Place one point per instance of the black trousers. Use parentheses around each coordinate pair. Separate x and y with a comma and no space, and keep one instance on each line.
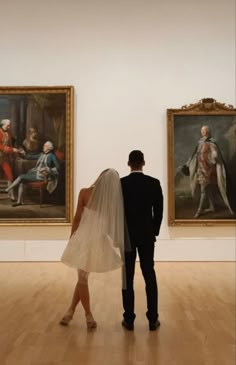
(146,256)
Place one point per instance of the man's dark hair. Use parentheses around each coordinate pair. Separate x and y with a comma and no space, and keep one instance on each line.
(136,158)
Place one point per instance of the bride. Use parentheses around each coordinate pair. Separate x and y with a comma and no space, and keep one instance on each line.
(96,242)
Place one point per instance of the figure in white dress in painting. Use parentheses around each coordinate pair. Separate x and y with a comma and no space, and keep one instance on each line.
(96,242)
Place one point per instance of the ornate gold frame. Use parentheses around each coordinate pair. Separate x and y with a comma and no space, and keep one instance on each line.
(182,126)
(48,100)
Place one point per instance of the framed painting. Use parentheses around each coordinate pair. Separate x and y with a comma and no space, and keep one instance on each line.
(202,164)
(36,155)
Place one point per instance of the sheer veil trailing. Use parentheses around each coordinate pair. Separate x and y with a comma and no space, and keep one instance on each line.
(98,244)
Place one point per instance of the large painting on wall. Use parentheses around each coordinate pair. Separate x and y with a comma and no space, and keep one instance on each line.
(36,157)
(202,164)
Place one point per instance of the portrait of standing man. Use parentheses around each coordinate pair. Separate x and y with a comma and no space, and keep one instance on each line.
(143,204)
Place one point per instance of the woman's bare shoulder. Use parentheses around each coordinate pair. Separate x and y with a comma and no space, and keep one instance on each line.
(85,194)
(86,190)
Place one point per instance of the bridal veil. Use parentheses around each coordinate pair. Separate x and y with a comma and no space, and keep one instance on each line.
(98,243)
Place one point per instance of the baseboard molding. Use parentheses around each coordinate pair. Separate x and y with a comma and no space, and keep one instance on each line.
(165,250)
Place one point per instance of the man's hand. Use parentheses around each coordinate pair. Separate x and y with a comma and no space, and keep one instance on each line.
(45,171)
(16,150)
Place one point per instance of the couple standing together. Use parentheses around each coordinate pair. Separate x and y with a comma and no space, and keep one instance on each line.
(115,219)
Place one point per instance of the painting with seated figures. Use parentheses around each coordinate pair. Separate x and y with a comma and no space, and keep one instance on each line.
(36,155)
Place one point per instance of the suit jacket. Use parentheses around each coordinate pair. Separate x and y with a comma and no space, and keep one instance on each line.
(143,204)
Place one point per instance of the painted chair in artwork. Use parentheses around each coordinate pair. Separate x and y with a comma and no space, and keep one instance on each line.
(38,186)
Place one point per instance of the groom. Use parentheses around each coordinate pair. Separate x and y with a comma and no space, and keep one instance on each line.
(143,204)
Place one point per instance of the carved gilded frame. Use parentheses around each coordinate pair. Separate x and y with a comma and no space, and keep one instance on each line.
(183,127)
(50,111)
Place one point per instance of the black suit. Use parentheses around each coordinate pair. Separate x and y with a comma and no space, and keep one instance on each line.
(143,203)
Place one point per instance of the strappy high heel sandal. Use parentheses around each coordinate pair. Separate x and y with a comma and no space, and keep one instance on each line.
(67,318)
(90,321)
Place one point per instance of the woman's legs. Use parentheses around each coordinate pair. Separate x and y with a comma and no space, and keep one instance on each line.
(84,290)
(81,293)
(85,298)
(75,299)
(71,310)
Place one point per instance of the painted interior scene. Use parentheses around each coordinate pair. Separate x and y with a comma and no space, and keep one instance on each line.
(205,166)
(32,155)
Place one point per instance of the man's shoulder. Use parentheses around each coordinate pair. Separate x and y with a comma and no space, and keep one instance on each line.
(140,176)
(152,179)
(131,176)
(52,156)
(212,140)
(123,178)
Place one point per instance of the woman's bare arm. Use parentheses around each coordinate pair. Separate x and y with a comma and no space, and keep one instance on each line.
(78,213)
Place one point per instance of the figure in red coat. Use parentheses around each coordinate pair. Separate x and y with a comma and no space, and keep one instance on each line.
(6,151)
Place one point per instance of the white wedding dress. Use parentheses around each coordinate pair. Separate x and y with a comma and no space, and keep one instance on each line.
(91,248)
(98,243)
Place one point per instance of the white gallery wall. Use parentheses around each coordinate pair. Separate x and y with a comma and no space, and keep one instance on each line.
(128,60)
